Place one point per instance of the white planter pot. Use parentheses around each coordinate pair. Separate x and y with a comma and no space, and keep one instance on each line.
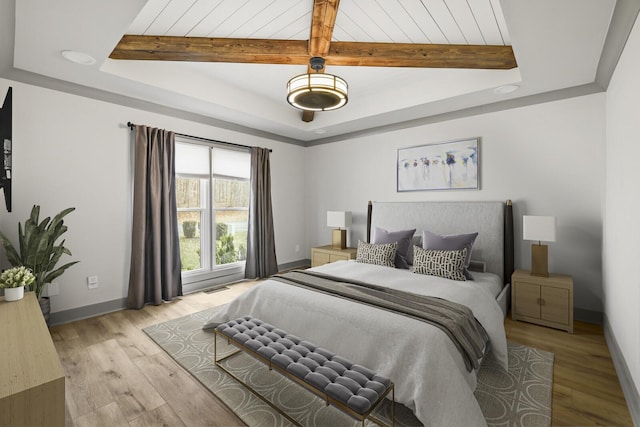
(13,294)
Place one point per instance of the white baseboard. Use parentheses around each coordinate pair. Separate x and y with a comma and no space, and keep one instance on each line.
(93,310)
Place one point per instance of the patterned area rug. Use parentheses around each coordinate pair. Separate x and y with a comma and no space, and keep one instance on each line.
(519,397)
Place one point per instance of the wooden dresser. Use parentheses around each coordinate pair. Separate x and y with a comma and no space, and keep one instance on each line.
(321,255)
(31,377)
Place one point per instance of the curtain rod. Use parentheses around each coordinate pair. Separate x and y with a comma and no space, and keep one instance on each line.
(131,125)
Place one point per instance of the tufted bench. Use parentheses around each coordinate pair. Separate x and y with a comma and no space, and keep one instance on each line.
(350,387)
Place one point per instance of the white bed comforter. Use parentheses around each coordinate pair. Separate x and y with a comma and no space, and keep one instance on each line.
(427,369)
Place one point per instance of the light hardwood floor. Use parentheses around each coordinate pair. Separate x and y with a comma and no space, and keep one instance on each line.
(586,390)
(116,376)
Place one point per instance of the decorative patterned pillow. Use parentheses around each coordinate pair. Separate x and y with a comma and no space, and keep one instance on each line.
(380,235)
(379,254)
(447,264)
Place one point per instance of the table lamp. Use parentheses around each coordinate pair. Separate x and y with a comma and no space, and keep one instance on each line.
(341,220)
(540,228)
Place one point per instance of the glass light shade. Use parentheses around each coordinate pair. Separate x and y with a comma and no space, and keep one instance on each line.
(338,219)
(540,228)
(317,92)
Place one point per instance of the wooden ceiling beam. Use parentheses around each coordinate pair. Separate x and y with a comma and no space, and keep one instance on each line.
(421,55)
(205,49)
(322,22)
(323,19)
(265,51)
(307,116)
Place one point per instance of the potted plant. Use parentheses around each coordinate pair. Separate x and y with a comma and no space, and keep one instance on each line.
(13,282)
(38,250)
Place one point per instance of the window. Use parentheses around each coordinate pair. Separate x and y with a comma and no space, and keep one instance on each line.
(212,192)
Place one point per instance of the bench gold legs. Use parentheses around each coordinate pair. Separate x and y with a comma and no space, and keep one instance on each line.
(328,399)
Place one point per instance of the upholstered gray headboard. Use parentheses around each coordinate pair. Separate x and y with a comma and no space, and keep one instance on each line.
(492,220)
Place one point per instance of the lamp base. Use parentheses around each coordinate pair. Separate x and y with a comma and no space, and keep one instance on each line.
(339,239)
(539,260)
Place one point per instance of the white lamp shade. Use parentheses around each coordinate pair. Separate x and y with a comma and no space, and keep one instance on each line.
(541,228)
(338,219)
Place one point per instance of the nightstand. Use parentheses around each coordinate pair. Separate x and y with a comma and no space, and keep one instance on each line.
(546,301)
(325,254)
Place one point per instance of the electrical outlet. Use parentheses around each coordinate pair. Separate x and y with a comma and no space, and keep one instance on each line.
(92,282)
(297,248)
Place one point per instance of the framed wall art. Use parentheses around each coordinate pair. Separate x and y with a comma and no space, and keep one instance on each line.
(452,165)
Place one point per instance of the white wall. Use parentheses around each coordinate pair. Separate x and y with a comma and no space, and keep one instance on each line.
(547,158)
(622,208)
(75,151)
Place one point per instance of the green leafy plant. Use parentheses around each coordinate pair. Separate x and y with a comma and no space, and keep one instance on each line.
(226,252)
(38,250)
(16,277)
(221,230)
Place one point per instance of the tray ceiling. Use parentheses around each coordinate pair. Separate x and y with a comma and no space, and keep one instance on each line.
(564,52)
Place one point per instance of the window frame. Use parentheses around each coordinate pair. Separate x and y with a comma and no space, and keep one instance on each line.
(209,272)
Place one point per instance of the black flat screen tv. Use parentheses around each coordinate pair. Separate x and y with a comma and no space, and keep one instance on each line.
(6,145)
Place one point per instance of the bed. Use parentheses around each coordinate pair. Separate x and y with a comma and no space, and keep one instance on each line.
(431,376)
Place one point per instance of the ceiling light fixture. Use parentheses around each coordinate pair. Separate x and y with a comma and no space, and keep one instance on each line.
(78,57)
(318,91)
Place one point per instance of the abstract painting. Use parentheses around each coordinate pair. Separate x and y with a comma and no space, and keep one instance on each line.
(449,165)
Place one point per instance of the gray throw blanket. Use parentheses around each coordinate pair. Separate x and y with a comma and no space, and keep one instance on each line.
(455,320)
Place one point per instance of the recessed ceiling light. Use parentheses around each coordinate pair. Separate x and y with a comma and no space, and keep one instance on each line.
(501,90)
(78,57)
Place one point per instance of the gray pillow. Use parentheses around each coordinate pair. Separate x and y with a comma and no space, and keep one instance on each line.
(416,241)
(379,254)
(441,263)
(451,242)
(380,235)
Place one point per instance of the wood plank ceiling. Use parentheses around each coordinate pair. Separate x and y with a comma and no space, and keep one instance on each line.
(389,33)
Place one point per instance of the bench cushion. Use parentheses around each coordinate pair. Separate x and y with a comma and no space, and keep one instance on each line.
(354,385)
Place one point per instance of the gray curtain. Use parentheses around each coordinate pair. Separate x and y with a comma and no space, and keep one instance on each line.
(261,246)
(155,246)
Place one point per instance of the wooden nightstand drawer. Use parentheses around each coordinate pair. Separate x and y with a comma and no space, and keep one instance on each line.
(325,254)
(546,301)
(339,257)
(319,258)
